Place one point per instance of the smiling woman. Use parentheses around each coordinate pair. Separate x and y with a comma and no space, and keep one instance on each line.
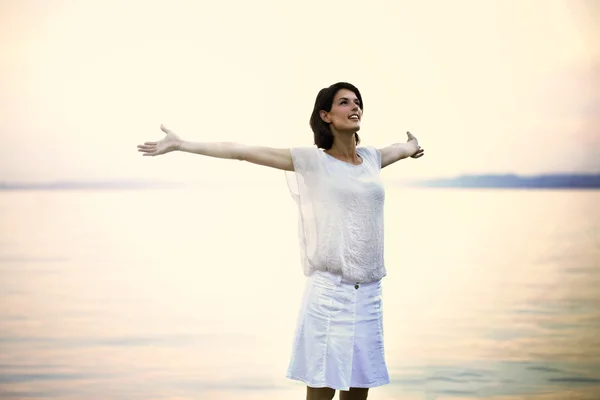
(339,338)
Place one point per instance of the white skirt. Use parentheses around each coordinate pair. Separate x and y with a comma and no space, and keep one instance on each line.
(339,337)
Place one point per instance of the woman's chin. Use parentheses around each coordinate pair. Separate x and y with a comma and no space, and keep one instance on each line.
(350,129)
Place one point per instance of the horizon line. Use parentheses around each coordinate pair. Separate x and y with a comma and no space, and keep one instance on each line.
(491,181)
(151,181)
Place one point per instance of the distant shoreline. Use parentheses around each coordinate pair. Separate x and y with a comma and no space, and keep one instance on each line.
(512,181)
(489,181)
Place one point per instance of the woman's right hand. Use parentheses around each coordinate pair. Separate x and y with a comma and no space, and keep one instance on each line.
(169,143)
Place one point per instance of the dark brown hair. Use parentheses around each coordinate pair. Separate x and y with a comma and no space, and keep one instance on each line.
(324,101)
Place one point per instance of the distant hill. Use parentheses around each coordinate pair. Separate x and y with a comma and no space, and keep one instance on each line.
(549,181)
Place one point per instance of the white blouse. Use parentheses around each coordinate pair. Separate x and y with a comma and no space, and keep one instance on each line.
(340,213)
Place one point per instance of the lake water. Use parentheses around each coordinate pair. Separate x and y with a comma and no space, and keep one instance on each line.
(193,294)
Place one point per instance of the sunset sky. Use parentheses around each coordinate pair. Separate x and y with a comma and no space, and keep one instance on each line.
(486,86)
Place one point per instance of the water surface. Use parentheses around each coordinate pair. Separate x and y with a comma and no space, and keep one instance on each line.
(193,294)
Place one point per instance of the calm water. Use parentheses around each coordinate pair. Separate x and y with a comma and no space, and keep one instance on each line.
(193,294)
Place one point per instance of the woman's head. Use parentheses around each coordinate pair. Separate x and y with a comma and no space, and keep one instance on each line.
(338,107)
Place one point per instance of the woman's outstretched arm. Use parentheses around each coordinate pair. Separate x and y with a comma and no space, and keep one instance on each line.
(261,155)
(399,151)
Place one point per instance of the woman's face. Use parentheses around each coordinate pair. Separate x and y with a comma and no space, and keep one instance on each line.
(346,112)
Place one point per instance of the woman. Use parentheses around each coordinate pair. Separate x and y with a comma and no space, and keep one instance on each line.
(339,338)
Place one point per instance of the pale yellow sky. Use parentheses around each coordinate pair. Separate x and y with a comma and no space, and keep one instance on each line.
(487,86)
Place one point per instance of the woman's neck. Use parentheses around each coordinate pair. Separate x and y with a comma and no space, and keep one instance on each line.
(344,148)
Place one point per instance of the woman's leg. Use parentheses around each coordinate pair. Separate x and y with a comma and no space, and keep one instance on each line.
(319,393)
(354,394)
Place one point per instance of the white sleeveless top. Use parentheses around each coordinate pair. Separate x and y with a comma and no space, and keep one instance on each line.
(340,213)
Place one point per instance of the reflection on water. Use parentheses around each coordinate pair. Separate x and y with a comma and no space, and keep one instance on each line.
(193,294)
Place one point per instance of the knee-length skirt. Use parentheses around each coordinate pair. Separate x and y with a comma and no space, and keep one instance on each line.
(339,335)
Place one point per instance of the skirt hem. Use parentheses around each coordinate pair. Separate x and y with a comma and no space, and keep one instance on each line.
(338,387)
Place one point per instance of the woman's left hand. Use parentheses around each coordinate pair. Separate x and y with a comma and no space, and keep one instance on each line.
(415,141)
(420,151)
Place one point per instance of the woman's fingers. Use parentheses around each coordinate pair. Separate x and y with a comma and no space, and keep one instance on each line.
(144,149)
(149,152)
(419,153)
(164,129)
(152,148)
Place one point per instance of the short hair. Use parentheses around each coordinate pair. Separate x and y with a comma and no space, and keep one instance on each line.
(324,101)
